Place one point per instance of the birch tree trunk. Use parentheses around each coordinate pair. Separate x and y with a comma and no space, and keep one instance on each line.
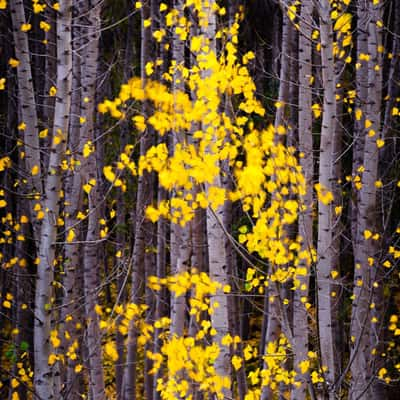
(121,237)
(180,234)
(143,199)
(89,68)
(73,204)
(360,103)
(216,248)
(300,315)
(275,318)
(27,104)
(43,378)
(360,355)
(325,211)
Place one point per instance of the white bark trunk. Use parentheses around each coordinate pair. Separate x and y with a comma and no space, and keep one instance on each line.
(360,355)
(300,314)
(43,378)
(325,221)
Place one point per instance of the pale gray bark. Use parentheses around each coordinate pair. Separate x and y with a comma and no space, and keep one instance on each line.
(73,204)
(274,325)
(143,199)
(27,104)
(216,249)
(121,237)
(326,252)
(91,259)
(43,378)
(360,355)
(181,234)
(300,314)
(360,103)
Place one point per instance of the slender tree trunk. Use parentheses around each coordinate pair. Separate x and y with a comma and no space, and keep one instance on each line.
(91,259)
(143,199)
(27,104)
(43,378)
(360,355)
(274,326)
(326,252)
(300,314)
(73,204)
(121,238)
(216,247)
(181,234)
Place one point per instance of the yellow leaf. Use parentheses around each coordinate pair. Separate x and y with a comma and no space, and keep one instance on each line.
(3,203)
(35,170)
(149,68)
(291,12)
(13,62)
(108,173)
(43,133)
(237,362)
(358,114)
(56,6)
(111,351)
(52,91)
(367,234)
(6,304)
(26,27)
(387,264)
(71,235)
(368,123)
(3,4)
(343,23)
(22,126)
(304,366)
(2,82)
(78,368)
(316,108)
(139,122)
(37,7)
(88,149)
(380,143)
(52,359)
(45,26)
(147,22)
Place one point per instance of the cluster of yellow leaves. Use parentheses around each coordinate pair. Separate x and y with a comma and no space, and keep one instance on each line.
(186,358)
(11,232)
(38,7)
(268,177)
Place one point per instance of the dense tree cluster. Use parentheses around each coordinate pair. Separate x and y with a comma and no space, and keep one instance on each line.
(198,199)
